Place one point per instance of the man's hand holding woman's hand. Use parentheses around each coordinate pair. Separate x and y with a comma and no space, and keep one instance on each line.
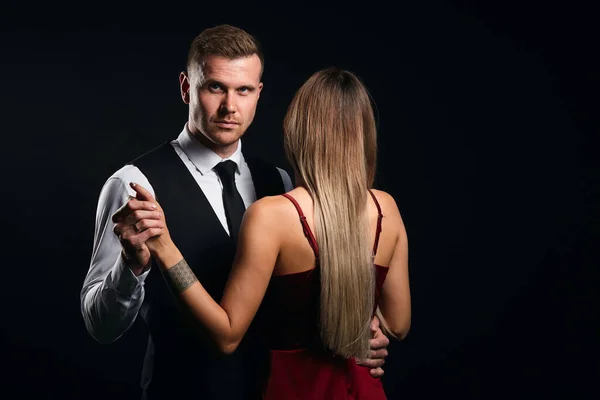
(141,228)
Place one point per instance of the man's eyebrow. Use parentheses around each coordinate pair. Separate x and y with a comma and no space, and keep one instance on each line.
(210,80)
(214,81)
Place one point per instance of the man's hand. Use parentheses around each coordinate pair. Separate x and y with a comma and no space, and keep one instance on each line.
(378,353)
(135,222)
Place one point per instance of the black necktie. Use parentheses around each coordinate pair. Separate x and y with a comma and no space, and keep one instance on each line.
(232,201)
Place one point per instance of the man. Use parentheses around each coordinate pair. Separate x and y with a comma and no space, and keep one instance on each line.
(188,175)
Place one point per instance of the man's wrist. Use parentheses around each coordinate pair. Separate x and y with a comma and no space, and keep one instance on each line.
(134,266)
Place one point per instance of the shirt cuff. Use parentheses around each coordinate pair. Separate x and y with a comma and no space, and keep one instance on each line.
(124,280)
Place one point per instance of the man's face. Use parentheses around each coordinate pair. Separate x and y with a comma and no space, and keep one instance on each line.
(222,94)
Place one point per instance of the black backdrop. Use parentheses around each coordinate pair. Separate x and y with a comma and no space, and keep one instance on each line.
(486,121)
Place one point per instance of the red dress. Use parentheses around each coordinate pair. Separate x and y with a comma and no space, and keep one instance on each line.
(300,367)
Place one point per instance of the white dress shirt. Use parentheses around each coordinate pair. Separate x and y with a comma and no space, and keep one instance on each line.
(112,295)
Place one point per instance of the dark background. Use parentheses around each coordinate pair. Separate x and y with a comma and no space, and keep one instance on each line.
(487,120)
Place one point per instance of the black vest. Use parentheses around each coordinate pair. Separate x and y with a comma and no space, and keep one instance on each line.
(181,360)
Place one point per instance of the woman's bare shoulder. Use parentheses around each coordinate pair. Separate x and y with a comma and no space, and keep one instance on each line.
(386,200)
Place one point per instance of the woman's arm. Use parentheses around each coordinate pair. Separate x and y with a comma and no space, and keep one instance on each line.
(394,301)
(257,252)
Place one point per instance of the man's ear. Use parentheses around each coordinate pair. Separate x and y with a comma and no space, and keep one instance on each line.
(184,87)
(260,86)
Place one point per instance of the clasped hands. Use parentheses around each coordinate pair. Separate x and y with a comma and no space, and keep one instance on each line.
(141,228)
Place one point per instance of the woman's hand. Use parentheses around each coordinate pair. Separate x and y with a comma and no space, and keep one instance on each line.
(160,243)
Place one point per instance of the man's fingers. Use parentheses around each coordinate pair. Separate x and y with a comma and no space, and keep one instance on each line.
(134,235)
(378,354)
(376,372)
(371,362)
(376,358)
(374,366)
(379,341)
(150,233)
(374,324)
(117,229)
(142,226)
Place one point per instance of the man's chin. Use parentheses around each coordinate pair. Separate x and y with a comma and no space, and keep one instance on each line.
(218,139)
(226,137)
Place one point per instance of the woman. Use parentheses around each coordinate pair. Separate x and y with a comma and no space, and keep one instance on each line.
(318,291)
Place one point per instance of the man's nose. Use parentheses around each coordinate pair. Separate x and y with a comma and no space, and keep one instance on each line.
(228,104)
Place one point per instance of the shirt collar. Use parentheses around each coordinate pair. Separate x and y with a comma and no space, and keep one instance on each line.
(204,158)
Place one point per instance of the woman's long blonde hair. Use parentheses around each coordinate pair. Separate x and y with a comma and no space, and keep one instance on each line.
(331,141)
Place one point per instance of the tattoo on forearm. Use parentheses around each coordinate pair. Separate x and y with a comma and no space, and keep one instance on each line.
(181,276)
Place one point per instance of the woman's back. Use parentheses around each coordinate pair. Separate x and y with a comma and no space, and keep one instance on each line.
(296,254)
(300,364)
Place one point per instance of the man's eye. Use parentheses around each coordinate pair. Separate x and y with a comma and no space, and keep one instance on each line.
(214,87)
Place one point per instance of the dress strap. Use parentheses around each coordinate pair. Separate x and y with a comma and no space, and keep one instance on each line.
(379,218)
(307,232)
